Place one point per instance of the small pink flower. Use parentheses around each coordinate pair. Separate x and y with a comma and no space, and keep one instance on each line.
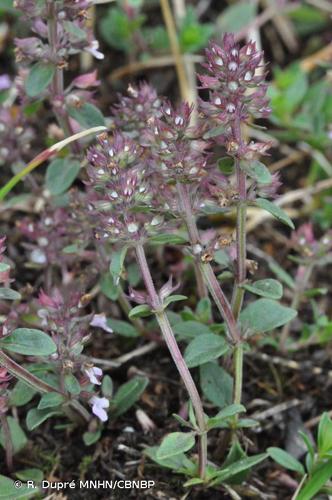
(94,374)
(98,407)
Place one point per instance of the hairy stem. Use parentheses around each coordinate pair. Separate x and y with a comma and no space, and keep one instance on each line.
(57,84)
(175,352)
(36,383)
(8,444)
(205,268)
(185,208)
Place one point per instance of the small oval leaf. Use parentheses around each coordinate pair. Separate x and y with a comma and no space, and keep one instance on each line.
(28,341)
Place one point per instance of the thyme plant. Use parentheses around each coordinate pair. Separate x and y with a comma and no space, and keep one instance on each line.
(160,172)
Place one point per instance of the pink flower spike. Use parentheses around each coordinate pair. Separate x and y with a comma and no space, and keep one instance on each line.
(100,321)
(94,374)
(98,405)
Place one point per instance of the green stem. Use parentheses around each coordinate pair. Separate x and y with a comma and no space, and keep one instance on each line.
(57,84)
(238,372)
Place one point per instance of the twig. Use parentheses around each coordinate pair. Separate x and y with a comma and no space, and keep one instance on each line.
(117,362)
(291,364)
(140,351)
(175,47)
(153,62)
(274,410)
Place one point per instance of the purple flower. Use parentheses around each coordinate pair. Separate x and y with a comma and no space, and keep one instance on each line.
(100,321)
(94,374)
(237,90)
(98,407)
(93,50)
(141,107)
(5,82)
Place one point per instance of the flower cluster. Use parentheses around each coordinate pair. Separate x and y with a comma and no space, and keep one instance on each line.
(16,133)
(176,152)
(120,195)
(133,112)
(60,317)
(237,91)
(310,247)
(73,32)
(52,232)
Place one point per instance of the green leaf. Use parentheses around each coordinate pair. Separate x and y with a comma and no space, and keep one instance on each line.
(236,16)
(216,384)
(190,329)
(122,328)
(194,35)
(9,492)
(226,165)
(140,311)
(28,341)
(315,483)
(177,462)
(60,175)
(36,417)
(225,414)
(50,399)
(214,132)
(237,467)
(107,386)
(324,440)
(173,298)
(71,384)
(9,294)
(108,287)
(274,210)
(117,263)
(282,274)
(257,171)
(90,438)
(39,78)
(167,239)
(285,459)
(266,314)
(117,28)
(204,310)
(74,30)
(21,394)
(193,482)
(87,115)
(18,437)
(30,475)
(175,444)
(268,288)
(204,348)
(4,267)
(128,394)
